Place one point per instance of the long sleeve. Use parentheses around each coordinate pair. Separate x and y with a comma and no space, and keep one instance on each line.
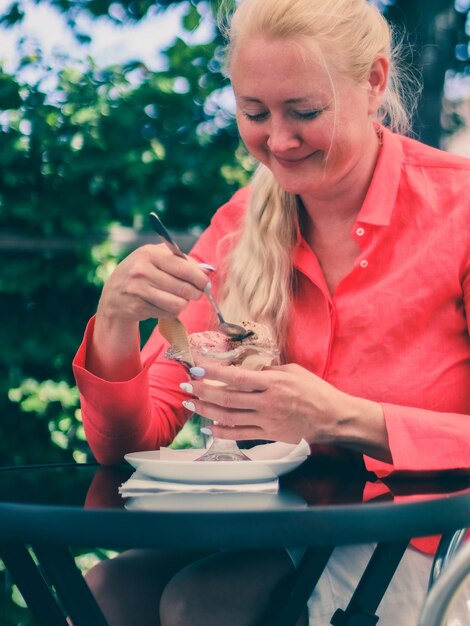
(423,440)
(120,417)
(146,412)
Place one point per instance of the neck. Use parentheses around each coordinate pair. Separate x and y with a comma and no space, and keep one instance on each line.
(342,203)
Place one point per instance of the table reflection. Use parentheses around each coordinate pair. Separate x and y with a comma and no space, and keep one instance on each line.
(320,481)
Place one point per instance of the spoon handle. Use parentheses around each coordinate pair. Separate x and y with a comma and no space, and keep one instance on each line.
(231,330)
(165,235)
(207,291)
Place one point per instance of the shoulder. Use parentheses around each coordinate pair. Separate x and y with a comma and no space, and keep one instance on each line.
(224,228)
(232,212)
(229,218)
(417,154)
(436,179)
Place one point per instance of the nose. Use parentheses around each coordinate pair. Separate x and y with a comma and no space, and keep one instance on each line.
(282,138)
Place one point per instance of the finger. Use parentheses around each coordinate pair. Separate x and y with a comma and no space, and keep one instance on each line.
(237,377)
(158,298)
(147,283)
(165,304)
(227,397)
(173,285)
(186,269)
(222,415)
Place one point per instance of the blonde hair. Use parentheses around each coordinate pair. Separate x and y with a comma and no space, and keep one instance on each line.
(348,35)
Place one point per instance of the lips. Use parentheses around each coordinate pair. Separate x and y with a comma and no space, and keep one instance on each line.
(290,162)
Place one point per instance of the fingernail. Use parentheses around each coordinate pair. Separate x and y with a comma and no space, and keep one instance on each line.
(206,266)
(189,405)
(208,287)
(206,431)
(197,371)
(186,387)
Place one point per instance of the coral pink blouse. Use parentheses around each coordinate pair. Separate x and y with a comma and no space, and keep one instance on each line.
(395,331)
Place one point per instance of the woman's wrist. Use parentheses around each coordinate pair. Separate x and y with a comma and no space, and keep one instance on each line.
(114,349)
(361,427)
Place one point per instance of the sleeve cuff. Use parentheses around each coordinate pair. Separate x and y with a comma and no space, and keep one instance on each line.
(423,441)
(101,397)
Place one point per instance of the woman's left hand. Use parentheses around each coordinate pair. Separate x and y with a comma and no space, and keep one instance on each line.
(288,403)
(279,403)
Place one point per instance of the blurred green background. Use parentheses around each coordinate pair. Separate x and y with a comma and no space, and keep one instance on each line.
(88,148)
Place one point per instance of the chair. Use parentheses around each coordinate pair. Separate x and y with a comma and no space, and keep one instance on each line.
(449,545)
(452,580)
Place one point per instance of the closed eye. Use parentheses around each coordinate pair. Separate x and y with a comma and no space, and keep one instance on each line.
(255,117)
(306,115)
(299,115)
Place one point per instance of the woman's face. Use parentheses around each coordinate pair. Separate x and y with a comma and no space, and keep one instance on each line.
(311,138)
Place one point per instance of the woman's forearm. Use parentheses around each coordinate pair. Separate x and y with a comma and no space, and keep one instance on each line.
(114,351)
(362,428)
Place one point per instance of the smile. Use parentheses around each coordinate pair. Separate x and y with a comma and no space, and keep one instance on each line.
(290,162)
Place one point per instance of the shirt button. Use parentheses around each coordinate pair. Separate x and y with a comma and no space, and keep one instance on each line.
(360,231)
(364,263)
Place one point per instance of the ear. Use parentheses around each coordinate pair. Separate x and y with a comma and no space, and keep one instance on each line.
(377,82)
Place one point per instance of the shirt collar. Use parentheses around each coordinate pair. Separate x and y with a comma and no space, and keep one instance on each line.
(382,193)
(381,196)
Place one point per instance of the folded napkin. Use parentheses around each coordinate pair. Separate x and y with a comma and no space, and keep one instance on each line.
(140,484)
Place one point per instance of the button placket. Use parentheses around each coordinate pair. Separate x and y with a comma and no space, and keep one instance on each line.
(359,233)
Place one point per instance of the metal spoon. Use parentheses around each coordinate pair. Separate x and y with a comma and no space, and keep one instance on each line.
(234,331)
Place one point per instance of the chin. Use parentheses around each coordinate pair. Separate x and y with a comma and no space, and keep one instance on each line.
(305,183)
(294,187)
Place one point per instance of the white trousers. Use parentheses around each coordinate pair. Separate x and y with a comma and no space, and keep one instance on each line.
(402,601)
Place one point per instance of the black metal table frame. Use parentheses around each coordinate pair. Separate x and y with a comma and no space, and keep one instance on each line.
(53,587)
(56,568)
(58,565)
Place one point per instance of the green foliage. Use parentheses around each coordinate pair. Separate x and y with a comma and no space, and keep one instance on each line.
(83,148)
(110,149)
(190,435)
(103,147)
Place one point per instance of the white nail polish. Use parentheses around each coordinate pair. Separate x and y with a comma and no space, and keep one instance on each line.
(206,431)
(197,371)
(187,387)
(206,266)
(189,405)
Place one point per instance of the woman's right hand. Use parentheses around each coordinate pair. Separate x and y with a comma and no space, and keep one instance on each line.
(151,282)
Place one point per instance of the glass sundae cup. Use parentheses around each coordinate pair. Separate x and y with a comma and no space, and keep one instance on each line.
(254,352)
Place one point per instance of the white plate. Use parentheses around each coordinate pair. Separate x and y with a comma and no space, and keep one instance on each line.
(150,464)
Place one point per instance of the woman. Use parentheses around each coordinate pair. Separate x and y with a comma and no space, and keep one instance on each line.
(352,244)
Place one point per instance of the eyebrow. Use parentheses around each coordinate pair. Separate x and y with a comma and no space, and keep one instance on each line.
(288,101)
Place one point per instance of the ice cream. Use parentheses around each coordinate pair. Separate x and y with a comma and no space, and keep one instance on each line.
(253,352)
